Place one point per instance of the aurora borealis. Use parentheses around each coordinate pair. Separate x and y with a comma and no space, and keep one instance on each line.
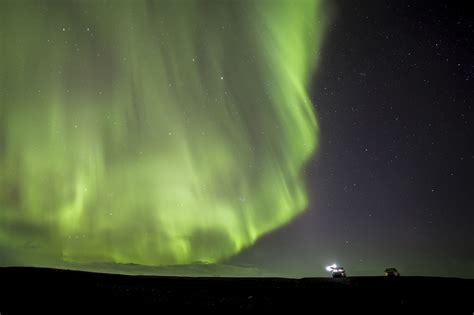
(152,132)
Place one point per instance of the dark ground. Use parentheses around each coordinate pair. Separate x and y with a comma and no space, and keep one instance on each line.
(51,289)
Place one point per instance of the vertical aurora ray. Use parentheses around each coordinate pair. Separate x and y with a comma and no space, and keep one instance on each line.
(152,132)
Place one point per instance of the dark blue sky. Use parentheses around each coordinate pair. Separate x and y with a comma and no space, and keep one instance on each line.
(391,184)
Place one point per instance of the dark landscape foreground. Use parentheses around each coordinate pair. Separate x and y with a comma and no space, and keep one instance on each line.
(51,289)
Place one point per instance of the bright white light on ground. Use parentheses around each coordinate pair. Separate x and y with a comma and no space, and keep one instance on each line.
(330,268)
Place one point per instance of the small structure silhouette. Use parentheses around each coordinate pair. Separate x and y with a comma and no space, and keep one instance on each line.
(392,272)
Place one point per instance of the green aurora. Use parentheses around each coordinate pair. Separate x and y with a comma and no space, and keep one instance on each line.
(152,132)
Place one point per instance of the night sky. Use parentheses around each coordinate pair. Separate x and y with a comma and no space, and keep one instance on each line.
(278,135)
(391,184)
(153,132)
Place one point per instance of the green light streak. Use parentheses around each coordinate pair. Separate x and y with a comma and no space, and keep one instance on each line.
(152,132)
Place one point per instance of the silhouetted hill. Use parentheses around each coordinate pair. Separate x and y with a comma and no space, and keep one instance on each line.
(196,269)
(49,290)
